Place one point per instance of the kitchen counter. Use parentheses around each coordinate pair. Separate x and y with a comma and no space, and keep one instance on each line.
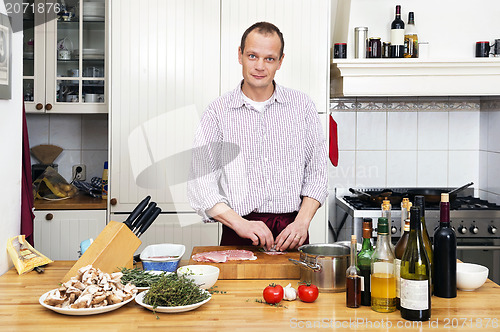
(237,310)
(81,201)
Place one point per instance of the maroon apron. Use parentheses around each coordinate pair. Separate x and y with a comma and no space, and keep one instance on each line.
(275,222)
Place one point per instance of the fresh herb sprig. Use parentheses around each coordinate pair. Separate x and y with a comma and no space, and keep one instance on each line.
(174,290)
(139,278)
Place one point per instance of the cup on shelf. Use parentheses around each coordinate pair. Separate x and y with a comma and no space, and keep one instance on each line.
(482,49)
(71,98)
(93,98)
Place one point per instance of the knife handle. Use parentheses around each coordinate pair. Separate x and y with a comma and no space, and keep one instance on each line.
(144,215)
(148,222)
(138,209)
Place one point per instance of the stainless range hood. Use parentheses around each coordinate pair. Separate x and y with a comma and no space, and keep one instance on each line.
(415,77)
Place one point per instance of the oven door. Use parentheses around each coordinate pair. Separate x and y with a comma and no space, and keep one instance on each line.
(483,251)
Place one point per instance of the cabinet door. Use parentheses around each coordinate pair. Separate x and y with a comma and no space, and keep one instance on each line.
(186,229)
(34,59)
(165,71)
(58,233)
(305,25)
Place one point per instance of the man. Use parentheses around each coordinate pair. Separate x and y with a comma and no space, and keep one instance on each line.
(260,159)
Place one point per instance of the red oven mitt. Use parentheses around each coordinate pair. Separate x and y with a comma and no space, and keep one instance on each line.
(334,143)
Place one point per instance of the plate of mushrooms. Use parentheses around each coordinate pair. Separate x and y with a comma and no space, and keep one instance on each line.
(90,292)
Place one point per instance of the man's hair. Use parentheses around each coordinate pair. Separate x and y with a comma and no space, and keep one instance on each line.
(264,28)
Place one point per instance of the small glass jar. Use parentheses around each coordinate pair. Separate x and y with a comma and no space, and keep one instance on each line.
(375,48)
(386,50)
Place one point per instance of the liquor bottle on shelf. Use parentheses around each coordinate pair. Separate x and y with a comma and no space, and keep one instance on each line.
(398,253)
(383,281)
(411,38)
(353,279)
(364,262)
(415,274)
(397,35)
(420,202)
(445,254)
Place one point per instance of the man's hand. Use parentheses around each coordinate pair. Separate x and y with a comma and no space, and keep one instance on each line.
(293,236)
(256,231)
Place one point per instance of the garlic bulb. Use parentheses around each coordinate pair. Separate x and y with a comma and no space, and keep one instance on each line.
(289,293)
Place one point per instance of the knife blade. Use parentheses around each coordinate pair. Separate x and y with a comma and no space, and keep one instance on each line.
(136,212)
(148,222)
(143,217)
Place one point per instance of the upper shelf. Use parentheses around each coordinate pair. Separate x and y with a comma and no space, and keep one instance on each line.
(416,77)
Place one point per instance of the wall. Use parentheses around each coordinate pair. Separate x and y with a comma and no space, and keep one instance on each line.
(489,149)
(10,145)
(84,139)
(403,142)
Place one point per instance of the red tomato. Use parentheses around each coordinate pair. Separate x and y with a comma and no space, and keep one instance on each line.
(308,293)
(273,294)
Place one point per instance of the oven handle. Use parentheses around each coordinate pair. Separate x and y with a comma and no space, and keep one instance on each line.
(478,247)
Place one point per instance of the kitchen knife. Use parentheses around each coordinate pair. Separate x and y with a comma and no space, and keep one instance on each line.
(148,222)
(143,217)
(136,212)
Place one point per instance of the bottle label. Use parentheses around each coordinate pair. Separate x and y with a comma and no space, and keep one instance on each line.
(383,267)
(397,36)
(397,273)
(414,294)
(362,283)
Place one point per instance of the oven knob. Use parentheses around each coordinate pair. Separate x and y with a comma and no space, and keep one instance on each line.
(394,229)
(492,229)
(462,229)
(474,229)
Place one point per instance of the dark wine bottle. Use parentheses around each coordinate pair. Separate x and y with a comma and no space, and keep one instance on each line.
(353,279)
(420,202)
(364,262)
(397,35)
(415,274)
(445,254)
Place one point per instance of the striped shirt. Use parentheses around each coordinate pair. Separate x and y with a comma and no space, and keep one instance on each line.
(258,161)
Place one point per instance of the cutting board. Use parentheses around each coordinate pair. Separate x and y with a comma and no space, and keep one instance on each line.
(264,267)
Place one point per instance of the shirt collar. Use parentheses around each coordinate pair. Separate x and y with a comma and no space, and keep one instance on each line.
(237,100)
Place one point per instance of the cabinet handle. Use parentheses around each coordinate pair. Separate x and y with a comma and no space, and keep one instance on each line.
(39,106)
(49,216)
(113,201)
(48,107)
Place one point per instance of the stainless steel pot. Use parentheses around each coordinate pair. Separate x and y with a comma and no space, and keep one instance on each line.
(324,265)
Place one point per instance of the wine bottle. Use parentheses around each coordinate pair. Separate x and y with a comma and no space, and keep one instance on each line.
(420,202)
(411,38)
(353,279)
(415,274)
(364,262)
(398,254)
(445,254)
(383,282)
(397,35)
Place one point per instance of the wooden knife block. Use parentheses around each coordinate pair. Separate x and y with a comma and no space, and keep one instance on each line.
(113,249)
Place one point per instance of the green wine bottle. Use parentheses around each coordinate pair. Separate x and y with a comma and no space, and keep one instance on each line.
(415,274)
(364,262)
(420,202)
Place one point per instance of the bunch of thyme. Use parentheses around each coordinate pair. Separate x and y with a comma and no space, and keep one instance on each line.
(139,278)
(174,290)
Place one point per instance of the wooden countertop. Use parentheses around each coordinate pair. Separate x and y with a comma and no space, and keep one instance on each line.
(81,201)
(236,310)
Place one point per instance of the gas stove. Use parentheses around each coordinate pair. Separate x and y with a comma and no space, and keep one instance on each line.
(470,216)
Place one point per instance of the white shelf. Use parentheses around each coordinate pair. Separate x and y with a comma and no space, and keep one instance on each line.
(416,77)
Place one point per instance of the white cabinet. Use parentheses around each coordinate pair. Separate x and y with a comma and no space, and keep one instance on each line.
(58,233)
(186,229)
(64,60)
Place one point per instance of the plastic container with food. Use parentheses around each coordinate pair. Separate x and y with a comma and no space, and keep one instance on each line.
(162,257)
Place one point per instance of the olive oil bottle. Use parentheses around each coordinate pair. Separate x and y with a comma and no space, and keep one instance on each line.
(383,281)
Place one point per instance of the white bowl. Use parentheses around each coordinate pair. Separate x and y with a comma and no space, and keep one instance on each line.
(205,276)
(471,276)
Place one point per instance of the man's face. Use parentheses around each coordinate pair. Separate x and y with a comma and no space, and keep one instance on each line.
(260,61)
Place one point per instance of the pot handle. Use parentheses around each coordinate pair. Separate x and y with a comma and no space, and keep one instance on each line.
(315,268)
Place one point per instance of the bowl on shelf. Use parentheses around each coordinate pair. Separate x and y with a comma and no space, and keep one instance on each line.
(205,276)
(471,276)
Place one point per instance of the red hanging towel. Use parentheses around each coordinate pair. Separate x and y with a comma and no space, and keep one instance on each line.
(27,199)
(334,143)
